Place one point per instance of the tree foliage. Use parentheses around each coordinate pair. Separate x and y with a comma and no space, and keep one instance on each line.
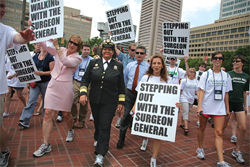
(227,63)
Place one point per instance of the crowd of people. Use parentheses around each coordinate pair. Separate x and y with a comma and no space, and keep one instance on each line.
(108,84)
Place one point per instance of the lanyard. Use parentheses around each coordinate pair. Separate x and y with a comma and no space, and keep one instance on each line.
(221,79)
(86,63)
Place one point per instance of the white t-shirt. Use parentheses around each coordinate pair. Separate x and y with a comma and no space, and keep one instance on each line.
(209,105)
(14,82)
(188,88)
(175,75)
(152,79)
(6,39)
(198,75)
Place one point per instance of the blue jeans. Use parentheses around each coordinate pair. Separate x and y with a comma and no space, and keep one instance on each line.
(34,93)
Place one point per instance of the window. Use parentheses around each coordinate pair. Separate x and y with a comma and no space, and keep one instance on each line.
(231,36)
(241,29)
(214,38)
(208,34)
(222,37)
(225,48)
(203,39)
(234,30)
(246,40)
(241,35)
(227,37)
(231,42)
(236,41)
(193,36)
(235,47)
(226,31)
(206,39)
(214,43)
(210,39)
(213,49)
(198,35)
(226,42)
(199,40)
(230,47)
(218,38)
(218,48)
(203,35)
(221,48)
(222,43)
(217,43)
(220,32)
(214,33)
(240,41)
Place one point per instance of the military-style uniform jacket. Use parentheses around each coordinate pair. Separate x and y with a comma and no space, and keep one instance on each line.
(106,86)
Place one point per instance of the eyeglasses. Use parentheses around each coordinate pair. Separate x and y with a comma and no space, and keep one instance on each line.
(142,53)
(132,50)
(220,58)
(172,58)
(237,61)
(192,71)
(76,44)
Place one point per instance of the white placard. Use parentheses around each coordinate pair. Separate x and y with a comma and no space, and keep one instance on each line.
(23,64)
(177,64)
(120,24)
(176,38)
(155,112)
(47,19)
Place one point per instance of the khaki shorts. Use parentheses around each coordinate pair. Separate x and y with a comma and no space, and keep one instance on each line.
(1,110)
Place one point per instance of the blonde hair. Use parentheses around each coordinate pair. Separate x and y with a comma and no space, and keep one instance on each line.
(79,39)
(192,69)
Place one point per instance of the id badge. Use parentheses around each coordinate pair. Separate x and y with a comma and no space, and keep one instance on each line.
(40,69)
(217,94)
(81,72)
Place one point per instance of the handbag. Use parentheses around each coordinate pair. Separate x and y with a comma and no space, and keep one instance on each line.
(32,84)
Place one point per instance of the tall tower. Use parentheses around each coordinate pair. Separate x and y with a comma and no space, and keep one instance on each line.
(153,13)
(230,8)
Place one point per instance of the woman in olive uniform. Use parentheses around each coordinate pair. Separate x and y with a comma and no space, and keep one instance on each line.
(106,95)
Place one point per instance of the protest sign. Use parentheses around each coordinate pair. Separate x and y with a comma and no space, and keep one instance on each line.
(155,112)
(176,38)
(23,64)
(120,24)
(168,63)
(47,17)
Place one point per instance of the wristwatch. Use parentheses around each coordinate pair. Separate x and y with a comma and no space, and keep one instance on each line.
(57,48)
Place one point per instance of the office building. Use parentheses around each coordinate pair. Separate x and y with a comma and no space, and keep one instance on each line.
(223,35)
(153,13)
(230,8)
(80,25)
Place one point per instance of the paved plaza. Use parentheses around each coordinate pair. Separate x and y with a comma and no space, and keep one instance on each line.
(80,152)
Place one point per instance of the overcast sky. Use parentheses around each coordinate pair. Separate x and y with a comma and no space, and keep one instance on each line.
(197,12)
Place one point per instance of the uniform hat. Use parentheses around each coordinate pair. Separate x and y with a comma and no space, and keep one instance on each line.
(107,43)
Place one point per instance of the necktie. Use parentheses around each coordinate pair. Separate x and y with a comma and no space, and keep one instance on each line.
(105,65)
(135,79)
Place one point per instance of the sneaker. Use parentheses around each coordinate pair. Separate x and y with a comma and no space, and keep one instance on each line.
(22,124)
(99,160)
(200,153)
(43,149)
(144,144)
(95,143)
(91,118)
(152,163)
(4,161)
(233,139)
(5,114)
(197,125)
(118,123)
(223,164)
(237,155)
(70,136)
(59,118)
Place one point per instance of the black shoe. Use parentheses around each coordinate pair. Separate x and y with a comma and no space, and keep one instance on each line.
(5,158)
(120,145)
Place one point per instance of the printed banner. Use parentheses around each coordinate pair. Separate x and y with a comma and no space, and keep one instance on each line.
(176,38)
(155,112)
(120,24)
(47,19)
(23,64)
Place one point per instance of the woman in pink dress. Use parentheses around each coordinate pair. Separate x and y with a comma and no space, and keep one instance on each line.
(59,94)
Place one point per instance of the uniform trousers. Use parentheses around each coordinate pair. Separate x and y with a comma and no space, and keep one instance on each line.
(103,115)
(83,108)
(126,119)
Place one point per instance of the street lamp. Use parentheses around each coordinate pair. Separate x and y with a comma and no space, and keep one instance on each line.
(100,28)
(206,48)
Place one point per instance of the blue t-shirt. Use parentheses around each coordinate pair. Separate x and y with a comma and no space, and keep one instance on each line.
(43,65)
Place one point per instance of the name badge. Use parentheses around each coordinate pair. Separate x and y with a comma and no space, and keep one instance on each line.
(81,72)
(217,94)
